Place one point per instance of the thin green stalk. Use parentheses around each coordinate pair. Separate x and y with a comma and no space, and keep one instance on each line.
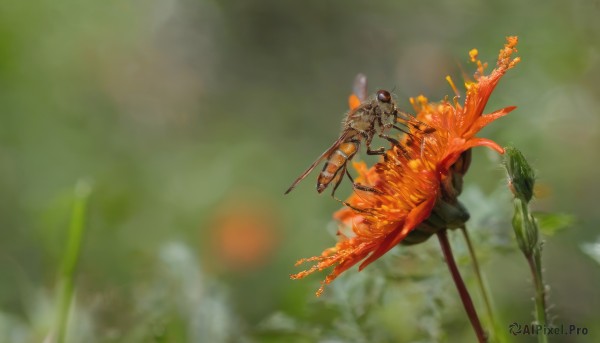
(535,265)
(71,256)
(482,287)
(540,292)
(521,179)
(460,286)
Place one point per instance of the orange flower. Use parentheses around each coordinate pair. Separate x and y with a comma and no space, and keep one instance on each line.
(413,176)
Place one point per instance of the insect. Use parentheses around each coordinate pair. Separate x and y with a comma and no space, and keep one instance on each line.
(366,118)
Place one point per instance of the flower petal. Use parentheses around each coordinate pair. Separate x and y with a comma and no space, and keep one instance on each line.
(484,120)
(414,218)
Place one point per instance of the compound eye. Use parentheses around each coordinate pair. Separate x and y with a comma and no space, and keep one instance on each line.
(384,96)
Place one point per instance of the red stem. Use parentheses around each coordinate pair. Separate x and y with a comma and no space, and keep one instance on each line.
(460,286)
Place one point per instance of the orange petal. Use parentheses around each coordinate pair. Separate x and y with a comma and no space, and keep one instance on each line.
(484,120)
(471,143)
(453,156)
(414,218)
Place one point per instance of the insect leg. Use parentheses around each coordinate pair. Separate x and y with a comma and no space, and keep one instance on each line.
(362,187)
(401,129)
(396,144)
(368,139)
(339,176)
(414,137)
(389,139)
(380,151)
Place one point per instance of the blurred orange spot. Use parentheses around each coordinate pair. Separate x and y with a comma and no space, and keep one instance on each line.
(244,234)
(542,190)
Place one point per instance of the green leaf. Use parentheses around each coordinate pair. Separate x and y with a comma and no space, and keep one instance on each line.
(551,223)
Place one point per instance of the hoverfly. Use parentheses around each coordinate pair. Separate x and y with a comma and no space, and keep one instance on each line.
(366,118)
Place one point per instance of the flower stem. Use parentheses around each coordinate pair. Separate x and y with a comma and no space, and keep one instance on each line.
(482,288)
(534,261)
(460,286)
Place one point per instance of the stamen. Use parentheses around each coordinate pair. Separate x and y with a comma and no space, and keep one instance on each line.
(449,79)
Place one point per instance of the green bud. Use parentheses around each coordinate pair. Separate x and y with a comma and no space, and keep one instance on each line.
(521,176)
(525,227)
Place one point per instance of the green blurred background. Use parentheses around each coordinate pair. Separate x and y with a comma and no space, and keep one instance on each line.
(190,118)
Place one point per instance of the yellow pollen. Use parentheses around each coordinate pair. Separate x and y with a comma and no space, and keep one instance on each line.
(514,62)
(415,198)
(473,54)
(414,164)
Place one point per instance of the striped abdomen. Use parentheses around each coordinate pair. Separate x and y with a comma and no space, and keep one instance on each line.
(335,162)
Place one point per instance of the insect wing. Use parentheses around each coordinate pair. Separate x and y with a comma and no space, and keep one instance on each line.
(324,155)
(360,87)
(359,90)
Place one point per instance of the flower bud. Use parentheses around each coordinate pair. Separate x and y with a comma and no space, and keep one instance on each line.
(444,216)
(521,177)
(525,227)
